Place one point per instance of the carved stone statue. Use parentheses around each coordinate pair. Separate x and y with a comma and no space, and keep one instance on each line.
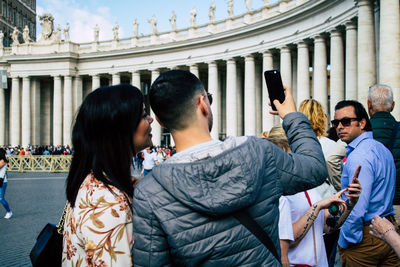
(230,8)
(1,38)
(96,33)
(211,12)
(115,31)
(172,20)
(47,26)
(58,34)
(14,36)
(193,14)
(25,35)
(66,32)
(153,22)
(248,5)
(135,28)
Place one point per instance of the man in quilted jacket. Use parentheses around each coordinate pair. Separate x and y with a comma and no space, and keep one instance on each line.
(183,211)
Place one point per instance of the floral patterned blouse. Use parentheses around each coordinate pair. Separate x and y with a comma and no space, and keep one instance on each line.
(98,231)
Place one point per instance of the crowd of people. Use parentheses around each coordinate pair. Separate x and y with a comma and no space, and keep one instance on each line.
(297,196)
(37,150)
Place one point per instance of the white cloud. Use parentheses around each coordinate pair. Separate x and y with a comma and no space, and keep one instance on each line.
(82,20)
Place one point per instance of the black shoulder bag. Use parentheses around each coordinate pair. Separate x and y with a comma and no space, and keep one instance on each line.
(247,221)
(48,247)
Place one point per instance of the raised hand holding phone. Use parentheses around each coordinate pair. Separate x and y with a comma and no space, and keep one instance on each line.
(354,189)
(281,97)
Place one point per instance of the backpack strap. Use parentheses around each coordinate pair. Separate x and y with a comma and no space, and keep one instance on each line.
(247,221)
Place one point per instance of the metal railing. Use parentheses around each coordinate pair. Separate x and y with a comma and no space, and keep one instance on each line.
(52,163)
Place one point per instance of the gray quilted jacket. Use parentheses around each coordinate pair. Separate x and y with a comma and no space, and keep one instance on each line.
(182,211)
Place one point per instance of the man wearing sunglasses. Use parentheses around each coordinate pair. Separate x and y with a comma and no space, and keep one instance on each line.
(183,212)
(357,247)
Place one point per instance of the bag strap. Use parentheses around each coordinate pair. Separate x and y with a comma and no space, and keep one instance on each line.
(60,225)
(313,230)
(247,221)
(394,134)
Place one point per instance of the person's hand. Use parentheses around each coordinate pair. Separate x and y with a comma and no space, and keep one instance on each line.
(354,191)
(380,227)
(327,202)
(288,106)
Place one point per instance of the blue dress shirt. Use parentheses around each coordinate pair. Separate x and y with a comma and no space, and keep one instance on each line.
(377,178)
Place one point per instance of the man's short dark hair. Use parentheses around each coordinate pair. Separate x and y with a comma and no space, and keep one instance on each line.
(359,110)
(172,98)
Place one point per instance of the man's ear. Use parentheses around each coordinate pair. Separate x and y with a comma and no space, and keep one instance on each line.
(203,106)
(363,123)
(162,124)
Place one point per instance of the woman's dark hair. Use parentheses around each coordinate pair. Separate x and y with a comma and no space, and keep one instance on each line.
(102,138)
(3,155)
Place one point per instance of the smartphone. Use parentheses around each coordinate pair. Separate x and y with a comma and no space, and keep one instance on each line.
(356,173)
(275,87)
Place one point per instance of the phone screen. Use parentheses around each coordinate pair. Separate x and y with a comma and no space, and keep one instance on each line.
(275,87)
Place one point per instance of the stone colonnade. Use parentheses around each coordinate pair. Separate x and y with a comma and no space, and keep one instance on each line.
(337,64)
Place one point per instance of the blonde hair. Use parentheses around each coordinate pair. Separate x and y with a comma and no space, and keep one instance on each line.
(264,135)
(315,114)
(277,131)
(281,142)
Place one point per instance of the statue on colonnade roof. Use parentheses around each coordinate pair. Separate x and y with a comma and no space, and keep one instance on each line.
(173,21)
(230,8)
(193,14)
(14,36)
(153,22)
(248,5)
(47,23)
(211,12)
(25,35)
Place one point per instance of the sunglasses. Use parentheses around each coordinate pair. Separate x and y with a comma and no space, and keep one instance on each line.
(210,97)
(345,122)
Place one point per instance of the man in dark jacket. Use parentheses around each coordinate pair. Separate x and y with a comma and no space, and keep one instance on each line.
(380,104)
(183,210)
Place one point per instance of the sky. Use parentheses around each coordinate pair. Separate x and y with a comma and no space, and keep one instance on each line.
(83,15)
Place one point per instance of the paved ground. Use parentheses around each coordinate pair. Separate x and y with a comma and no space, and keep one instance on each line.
(35,199)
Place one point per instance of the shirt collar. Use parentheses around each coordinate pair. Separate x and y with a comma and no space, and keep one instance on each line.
(350,147)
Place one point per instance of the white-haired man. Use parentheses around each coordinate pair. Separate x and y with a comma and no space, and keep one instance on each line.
(385,129)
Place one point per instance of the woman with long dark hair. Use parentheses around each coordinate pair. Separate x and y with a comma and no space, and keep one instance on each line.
(3,187)
(110,128)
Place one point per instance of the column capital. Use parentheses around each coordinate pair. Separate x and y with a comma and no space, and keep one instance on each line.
(302,44)
(364,2)
(249,57)
(267,52)
(335,32)
(213,62)
(230,60)
(26,77)
(135,71)
(284,49)
(57,77)
(319,39)
(194,65)
(68,77)
(350,25)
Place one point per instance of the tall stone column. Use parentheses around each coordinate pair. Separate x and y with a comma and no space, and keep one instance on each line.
(320,73)
(26,112)
(194,68)
(258,87)
(303,74)
(286,67)
(57,112)
(15,113)
(213,89)
(35,111)
(389,49)
(68,110)
(267,118)
(116,78)
(95,82)
(337,70)
(351,61)
(2,117)
(77,93)
(156,127)
(136,79)
(366,49)
(249,96)
(231,98)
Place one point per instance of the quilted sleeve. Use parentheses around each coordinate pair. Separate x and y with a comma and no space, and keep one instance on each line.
(150,247)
